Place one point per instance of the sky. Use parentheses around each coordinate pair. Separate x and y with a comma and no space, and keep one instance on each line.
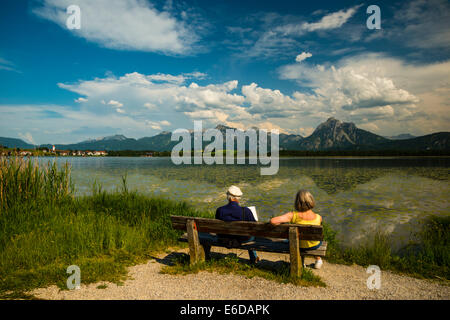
(139,67)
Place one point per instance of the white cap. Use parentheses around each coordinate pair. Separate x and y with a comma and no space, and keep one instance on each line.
(234,191)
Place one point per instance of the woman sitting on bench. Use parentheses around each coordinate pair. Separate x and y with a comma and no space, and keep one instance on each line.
(303,214)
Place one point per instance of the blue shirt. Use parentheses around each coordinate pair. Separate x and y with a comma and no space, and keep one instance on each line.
(233,212)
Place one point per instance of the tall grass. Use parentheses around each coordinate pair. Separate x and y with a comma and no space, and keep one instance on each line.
(427,256)
(44,228)
(22,180)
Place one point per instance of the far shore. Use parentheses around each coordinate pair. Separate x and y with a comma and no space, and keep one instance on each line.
(282,153)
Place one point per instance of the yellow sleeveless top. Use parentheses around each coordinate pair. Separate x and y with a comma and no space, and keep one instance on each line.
(316,222)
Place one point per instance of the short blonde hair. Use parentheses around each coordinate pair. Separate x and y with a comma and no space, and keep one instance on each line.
(304,201)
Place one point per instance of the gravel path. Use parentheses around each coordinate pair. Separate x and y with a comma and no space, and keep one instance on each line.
(343,282)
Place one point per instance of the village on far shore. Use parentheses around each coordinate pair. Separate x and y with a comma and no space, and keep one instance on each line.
(43,151)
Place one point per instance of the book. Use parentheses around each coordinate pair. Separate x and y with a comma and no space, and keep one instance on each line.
(253,210)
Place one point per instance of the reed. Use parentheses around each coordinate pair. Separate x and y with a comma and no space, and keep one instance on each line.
(426,256)
(22,180)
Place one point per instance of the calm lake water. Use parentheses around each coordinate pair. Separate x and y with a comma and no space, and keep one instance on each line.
(355,195)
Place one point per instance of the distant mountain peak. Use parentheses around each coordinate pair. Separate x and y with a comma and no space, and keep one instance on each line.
(119,137)
(331,124)
(332,119)
(333,134)
(116,137)
(222,127)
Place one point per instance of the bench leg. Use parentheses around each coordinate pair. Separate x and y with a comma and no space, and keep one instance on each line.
(294,249)
(196,251)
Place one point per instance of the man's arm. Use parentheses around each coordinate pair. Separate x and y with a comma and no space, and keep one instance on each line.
(249,215)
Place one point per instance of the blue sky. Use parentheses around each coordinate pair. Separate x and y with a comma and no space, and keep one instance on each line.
(138,67)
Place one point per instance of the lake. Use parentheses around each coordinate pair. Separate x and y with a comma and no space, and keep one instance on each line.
(356,196)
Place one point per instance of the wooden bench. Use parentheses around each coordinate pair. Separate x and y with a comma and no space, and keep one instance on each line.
(201,234)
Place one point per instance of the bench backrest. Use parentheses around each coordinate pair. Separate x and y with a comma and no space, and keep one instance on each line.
(247,228)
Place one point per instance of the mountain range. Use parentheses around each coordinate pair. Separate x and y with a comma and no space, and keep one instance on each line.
(329,135)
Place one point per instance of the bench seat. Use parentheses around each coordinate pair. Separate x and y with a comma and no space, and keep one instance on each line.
(259,244)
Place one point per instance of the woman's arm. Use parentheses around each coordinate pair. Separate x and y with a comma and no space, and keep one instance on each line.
(287,217)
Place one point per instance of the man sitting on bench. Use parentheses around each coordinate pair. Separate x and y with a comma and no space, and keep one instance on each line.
(234,212)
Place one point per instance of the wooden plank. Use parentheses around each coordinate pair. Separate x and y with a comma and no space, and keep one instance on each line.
(321,251)
(248,228)
(294,249)
(259,244)
(196,252)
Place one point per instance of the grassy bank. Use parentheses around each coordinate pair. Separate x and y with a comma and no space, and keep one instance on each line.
(44,228)
(427,256)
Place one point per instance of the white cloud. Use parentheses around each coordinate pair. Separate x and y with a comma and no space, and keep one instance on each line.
(426,24)
(348,87)
(71,126)
(270,44)
(269,103)
(124,25)
(7,65)
(160,97)
(328,22)
(280,36)
(115,103)
(303,56)
(195,75)
(331,21)
(377,92)
(306,131)
(27,137)
(150,106)
(157,125)
(81,100)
